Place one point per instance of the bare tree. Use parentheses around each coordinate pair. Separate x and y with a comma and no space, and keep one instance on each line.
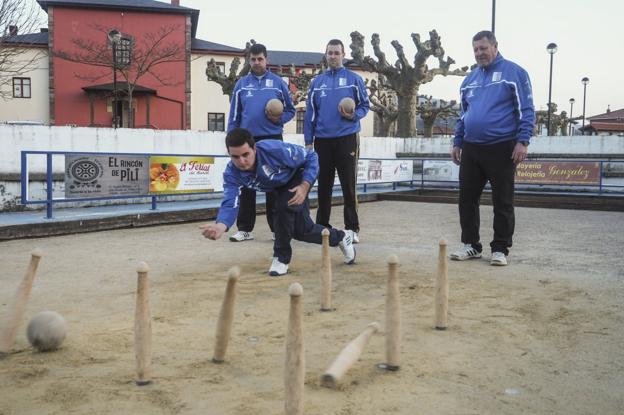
(403,78)
(301,80)
(557,121)
(17,18)
(429,111)
(383,103)
(143,56)
(228,81)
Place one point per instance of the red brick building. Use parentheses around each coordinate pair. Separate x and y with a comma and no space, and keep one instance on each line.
(82,93)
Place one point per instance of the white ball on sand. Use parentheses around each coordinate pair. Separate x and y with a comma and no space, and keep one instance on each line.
(347,104)
(274,107)
(46,331)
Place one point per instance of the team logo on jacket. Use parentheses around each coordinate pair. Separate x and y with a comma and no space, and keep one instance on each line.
(496,76)
(342,81)
(269,83)
(268,170)
(323,94)
(249,94)
(470,93)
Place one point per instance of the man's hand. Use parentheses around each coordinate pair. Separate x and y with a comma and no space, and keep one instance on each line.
(456,154)
(300,192)
(275,119)
(347,115)
(519,153)
(213,230)
(309,147)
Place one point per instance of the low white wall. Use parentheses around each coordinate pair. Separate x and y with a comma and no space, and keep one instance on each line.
(15,138)
(544,145)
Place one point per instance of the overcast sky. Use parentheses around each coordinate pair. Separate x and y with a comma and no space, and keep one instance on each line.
(587,32)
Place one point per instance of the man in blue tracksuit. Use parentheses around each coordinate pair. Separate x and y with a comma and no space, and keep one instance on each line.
(286,170)
(247,110)
(491,137)
(334,133)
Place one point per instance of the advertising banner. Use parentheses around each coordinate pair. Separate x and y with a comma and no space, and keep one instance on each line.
(183,174)
(558,172)
(380,171)
(89,176)
(440,170)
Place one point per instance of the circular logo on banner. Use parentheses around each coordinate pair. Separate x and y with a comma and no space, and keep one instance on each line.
(84,174)
(85,170)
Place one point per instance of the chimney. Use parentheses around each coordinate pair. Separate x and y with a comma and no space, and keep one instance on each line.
(12,30)
(175,2)
(608,108)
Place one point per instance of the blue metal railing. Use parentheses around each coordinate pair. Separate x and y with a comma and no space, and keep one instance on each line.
(600,189)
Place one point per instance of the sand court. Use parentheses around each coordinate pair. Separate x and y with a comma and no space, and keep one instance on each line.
(542,335)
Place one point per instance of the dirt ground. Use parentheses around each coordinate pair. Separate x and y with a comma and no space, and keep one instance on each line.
(543,335)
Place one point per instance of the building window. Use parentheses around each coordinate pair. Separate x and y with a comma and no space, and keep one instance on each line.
(216,121)
(21,87)
(300,120)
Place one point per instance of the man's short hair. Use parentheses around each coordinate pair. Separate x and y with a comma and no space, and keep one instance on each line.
(335,42)
(257,49)
(485,34)
(238,137)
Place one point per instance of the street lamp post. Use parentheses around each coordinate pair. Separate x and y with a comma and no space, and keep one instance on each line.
(571,106)
(114,36)
(584,81)
(493,16)
(551,49)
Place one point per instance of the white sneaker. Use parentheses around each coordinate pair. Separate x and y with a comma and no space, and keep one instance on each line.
(346,246)
(464,253)
(277,268)
(356,238)
(498,258)
(241,236)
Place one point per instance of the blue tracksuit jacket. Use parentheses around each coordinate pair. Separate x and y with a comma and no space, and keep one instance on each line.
(249,99)
(497,105)
(276,163)
(322,118)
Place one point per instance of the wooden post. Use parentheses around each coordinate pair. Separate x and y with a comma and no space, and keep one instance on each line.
(347,357)
(294,373)
(441,289)
(143,328)
(393,317)
(226,316)
(16,309)
(326,274)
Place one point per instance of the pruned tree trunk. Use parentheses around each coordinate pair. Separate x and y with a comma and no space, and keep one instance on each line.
(405,76)
(428,128)
(406,120)
(384,126)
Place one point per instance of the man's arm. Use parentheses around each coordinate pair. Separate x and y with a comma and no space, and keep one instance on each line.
(458,140)
(362,104)
(309,123)
(525,107)
(234,118)
(309,159)
(289,108)
(228,210)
